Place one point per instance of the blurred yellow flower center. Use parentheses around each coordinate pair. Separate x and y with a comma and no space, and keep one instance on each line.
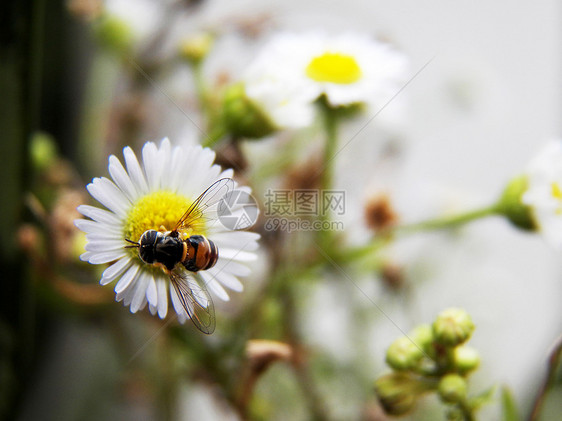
(156,210)
(556,192)
(335,68)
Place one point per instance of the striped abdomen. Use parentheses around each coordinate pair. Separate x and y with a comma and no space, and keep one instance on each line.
(199,253)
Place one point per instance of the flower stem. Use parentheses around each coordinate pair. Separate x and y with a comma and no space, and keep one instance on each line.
(447,222)
(553,363)
(331,129)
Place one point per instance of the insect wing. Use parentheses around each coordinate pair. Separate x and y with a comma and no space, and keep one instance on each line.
(195,300)
(208,199)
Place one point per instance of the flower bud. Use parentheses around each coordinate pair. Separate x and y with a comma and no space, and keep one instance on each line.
(452,327)
(423,336)
(196,48)
(43,151)
(465,359)
(114,34)
(398,392)
(403,354)
(512,207)
(452,388)
(242,117)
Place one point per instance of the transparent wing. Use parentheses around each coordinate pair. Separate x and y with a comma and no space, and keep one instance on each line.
(194,299)
(205,206)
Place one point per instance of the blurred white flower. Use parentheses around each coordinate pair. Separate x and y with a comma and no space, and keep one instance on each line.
(293,70)
(544,191)
(150,196)
(274,82)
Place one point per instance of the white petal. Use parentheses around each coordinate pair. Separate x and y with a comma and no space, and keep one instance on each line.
(90,226)
(104,246)
(109,195)
(162,297)
(140,292)
(239,255)
(152,165)
(152,309)
(121,178)
(228,173)
(106,257)
(151,292)
(213,286)
(126,279)
(115,270)
(135,171)
(106,236)
(178,170)
(227,279)
(177,304)
(99,215)
(233,267)
(244,240)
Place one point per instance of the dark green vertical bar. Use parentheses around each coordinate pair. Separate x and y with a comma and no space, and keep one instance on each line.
(21,24)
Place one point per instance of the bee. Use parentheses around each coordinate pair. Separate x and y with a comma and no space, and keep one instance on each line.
(181,255)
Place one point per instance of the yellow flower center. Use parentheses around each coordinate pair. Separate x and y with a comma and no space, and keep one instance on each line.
(335,68)
(556,192)
(160,209)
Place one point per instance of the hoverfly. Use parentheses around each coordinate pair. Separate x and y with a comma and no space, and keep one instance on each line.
(181,255)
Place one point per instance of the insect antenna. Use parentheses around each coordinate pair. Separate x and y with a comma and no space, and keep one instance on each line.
(133,244)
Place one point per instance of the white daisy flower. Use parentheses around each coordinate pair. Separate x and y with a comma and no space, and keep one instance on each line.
(294,70)
(272,82)
(150,196)
(544,191)
(354,69)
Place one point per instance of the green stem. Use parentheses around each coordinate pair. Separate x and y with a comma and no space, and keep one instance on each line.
(447,222)
(201,87)
(553,363)
(331,128)
(214,136)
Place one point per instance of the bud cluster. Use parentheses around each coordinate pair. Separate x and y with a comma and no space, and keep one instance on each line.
(432,358)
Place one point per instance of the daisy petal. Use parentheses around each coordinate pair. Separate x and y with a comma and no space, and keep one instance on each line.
(227,279)
(140,292)
(233,267)
(233,254)
(121,178)
(115,270)
(213,286)
(162,297)
(126,279)
(99,215)
(151,292)
(135,171)
(109,195)
(106,257)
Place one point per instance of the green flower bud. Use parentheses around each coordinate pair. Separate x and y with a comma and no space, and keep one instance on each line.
(511,206)
(403,354)
(242,117)
(114,34)
(398,392)
(452,327)
(43,151)
(466,359)
(452,388)
(423,336)
(196,48)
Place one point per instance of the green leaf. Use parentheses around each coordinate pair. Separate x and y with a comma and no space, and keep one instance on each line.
(482,398)
(509,408)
